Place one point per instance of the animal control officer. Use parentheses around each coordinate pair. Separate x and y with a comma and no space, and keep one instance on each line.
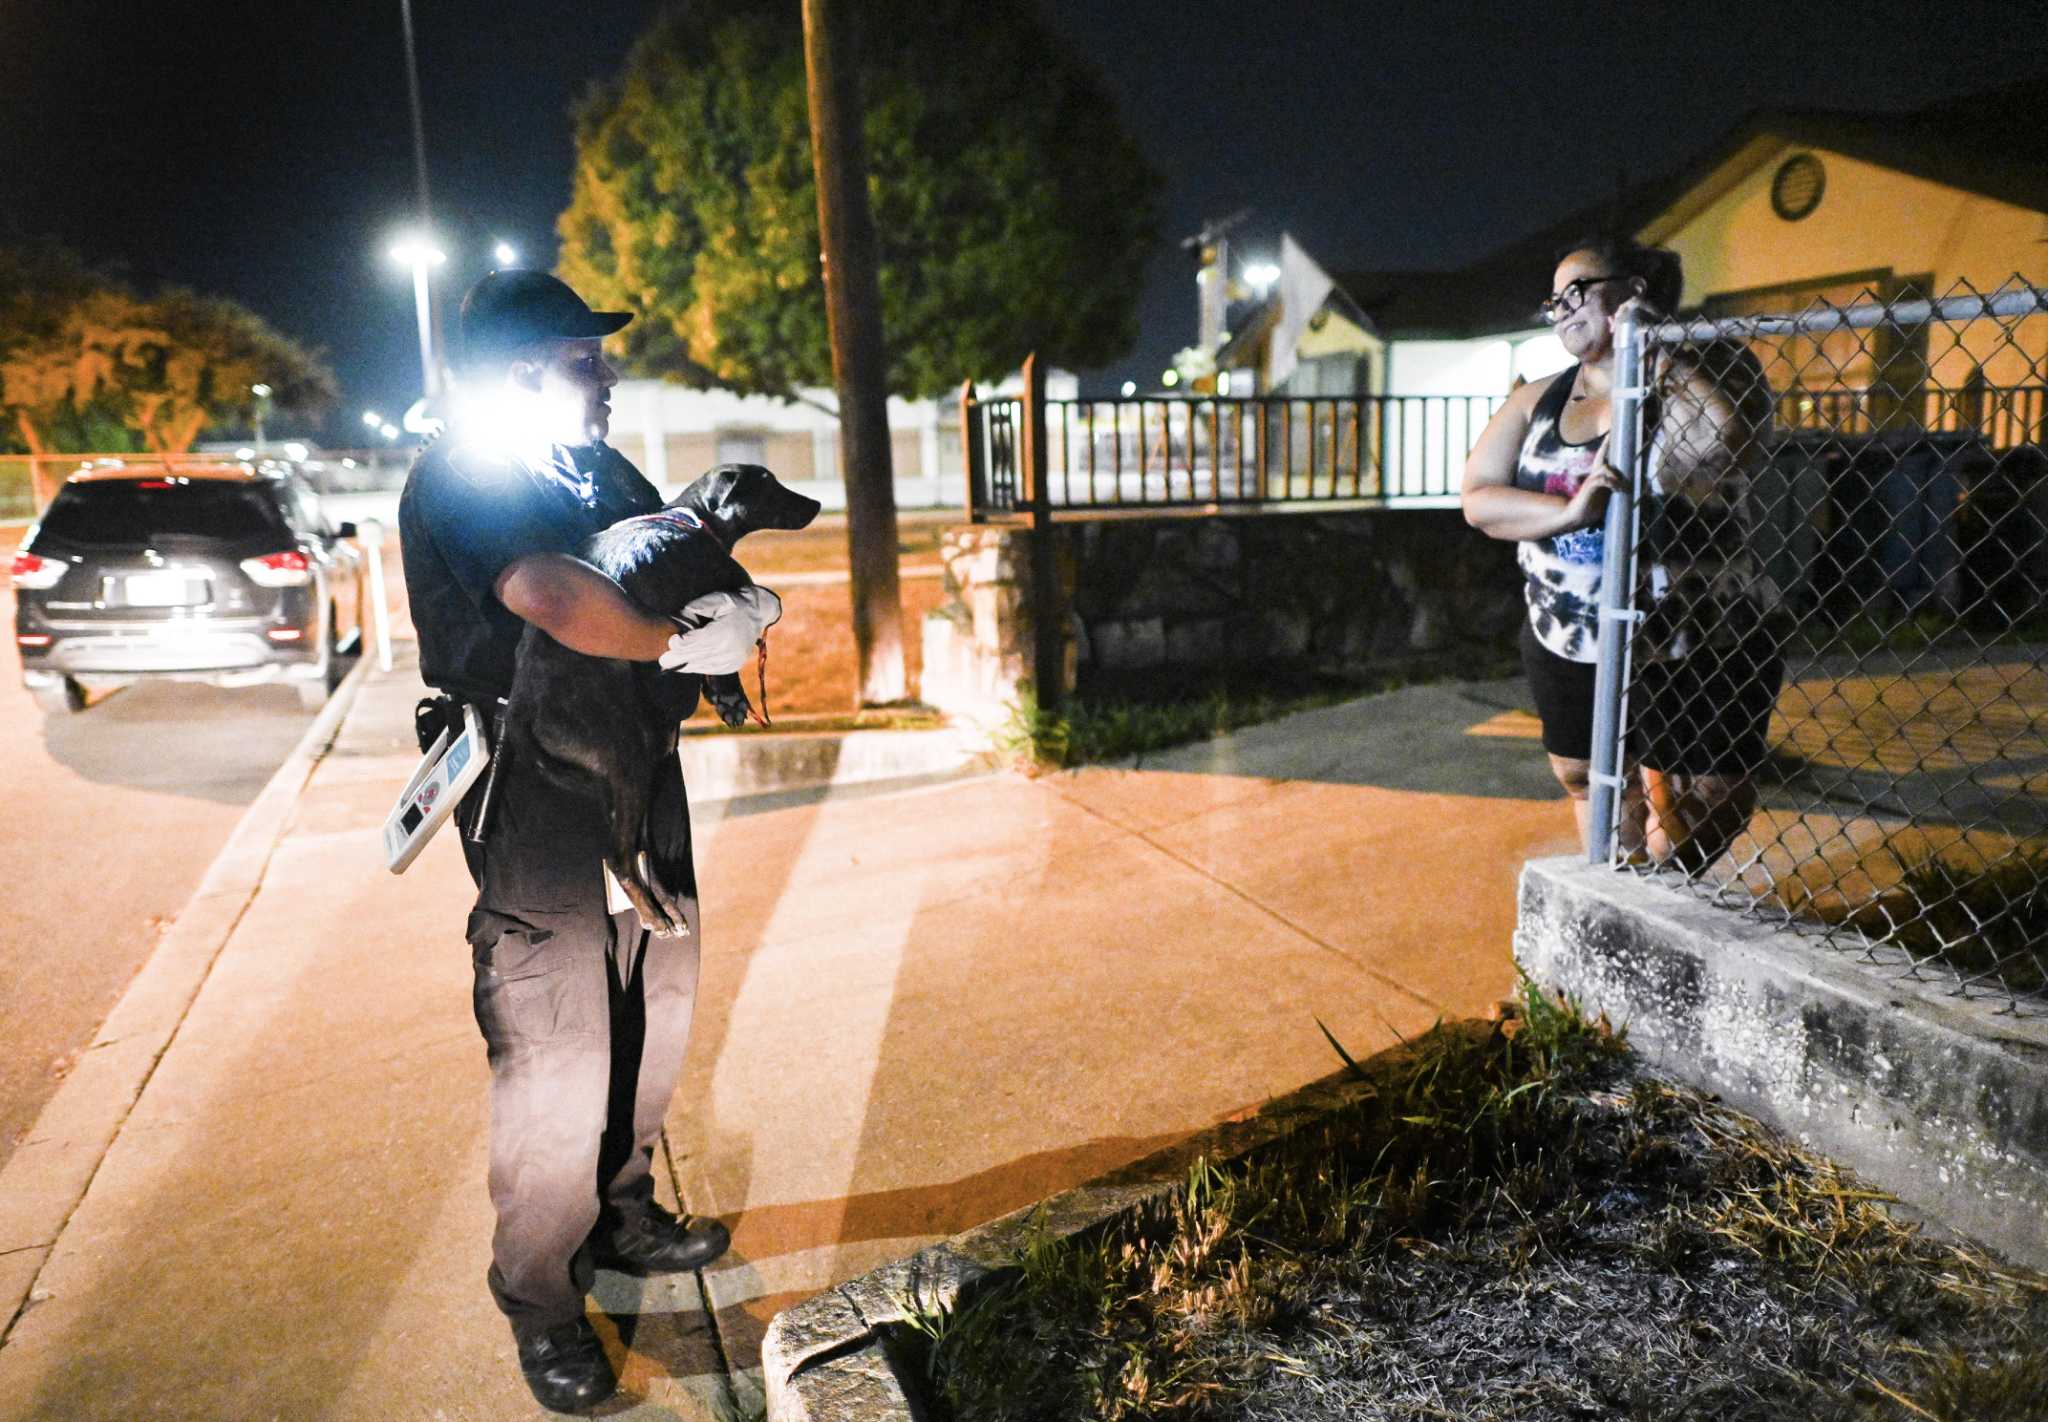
(585,1016)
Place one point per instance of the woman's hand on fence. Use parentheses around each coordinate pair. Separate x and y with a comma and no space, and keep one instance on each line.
(1588,503)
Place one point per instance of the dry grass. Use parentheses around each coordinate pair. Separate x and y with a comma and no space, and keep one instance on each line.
(1514,1224)
(822,547)
(812,669)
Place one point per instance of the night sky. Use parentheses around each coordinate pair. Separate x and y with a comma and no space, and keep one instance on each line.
(263,151)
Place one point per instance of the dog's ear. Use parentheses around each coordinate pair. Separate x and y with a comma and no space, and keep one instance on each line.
(709,493)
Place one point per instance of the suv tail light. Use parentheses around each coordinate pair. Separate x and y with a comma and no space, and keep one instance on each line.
(36,573)
(288,569)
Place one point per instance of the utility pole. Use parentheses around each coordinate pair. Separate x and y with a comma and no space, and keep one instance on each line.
(853,312)
(1212,246)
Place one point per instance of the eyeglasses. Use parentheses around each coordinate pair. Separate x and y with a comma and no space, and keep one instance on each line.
(1562,303)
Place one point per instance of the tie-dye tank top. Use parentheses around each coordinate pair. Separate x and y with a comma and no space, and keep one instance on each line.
(1562,573)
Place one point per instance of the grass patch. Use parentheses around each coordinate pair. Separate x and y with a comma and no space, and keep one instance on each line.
(1087,731)
(1984,921)
(1168,707)
(1511,1222)
(907,717)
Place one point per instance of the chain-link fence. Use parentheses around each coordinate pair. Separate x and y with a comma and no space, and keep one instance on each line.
(1823,696)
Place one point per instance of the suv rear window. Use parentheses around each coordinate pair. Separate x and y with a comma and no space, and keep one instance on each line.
(138,510)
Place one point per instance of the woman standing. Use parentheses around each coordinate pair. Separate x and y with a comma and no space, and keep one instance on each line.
(1539,476)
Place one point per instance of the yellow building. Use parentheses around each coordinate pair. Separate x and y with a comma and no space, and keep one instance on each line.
(1786,208)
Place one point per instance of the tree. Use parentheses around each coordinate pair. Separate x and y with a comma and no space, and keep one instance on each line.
(40,282)
(92,354)
(1012,210)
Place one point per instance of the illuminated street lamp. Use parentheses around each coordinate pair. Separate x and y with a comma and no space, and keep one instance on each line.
(372,419)
(1262,275)
(506,255)
(418,251)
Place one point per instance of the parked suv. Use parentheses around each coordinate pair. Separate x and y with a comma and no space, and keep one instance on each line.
(219,574)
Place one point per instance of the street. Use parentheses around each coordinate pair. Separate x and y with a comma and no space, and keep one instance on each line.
(113,816)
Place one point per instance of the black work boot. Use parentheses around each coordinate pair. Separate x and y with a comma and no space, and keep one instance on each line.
(566,1367)
(650,1240)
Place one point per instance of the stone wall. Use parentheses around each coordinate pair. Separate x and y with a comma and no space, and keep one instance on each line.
(1337,591)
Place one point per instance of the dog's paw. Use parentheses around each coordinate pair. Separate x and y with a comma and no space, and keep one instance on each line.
(728,699)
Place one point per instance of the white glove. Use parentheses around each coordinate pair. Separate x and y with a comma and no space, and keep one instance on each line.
(721,630)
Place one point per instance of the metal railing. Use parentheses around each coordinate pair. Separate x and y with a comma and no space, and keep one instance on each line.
(1156,453)
(1821,696)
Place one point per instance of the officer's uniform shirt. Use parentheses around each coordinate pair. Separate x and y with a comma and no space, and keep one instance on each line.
(468,513)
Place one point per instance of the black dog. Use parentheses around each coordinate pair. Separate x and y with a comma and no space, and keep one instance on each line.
(609,728)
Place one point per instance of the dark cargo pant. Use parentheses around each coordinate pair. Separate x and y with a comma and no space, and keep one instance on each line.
(585,1018)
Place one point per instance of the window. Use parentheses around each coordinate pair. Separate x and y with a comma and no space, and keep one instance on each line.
(117,511)
(742,447)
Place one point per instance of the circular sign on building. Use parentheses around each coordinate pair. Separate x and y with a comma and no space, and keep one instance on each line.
(1797,186)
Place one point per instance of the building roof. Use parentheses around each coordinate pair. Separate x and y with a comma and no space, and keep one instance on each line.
(1993,142)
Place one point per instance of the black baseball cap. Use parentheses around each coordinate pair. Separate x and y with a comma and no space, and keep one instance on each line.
(509,310)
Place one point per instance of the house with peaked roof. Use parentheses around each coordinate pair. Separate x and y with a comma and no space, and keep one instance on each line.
(1787,207)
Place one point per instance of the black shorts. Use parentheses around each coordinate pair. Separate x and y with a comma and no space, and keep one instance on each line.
(1708,714)
(1564,697)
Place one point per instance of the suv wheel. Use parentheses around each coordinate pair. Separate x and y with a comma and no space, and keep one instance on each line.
(64,697)
(314,691)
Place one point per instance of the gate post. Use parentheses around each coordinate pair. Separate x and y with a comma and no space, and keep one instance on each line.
(971,457)
(1617,586)
(1048,669)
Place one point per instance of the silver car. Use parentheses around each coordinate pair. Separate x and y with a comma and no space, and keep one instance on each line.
(223,574)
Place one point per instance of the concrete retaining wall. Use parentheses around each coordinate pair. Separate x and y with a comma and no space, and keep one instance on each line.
(1941,1101)
(1136,597)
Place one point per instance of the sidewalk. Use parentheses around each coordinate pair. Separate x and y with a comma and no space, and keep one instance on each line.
(919,1010)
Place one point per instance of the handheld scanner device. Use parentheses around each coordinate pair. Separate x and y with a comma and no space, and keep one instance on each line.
(452,764)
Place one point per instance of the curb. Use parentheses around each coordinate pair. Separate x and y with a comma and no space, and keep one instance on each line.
(50,1172)
(1941,1100)
(826,1359)
(735,767)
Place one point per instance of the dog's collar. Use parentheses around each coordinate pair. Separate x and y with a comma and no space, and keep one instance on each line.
(681,518)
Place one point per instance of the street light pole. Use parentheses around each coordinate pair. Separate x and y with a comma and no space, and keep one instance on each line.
(423,299)
(262,405)
(422,256)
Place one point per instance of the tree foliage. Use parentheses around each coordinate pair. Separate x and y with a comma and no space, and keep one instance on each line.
(1013,212)
(82,356)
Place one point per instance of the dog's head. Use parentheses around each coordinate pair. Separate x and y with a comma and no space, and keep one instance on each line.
(735,500)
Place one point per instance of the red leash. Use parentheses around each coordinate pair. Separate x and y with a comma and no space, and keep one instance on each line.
(761,680)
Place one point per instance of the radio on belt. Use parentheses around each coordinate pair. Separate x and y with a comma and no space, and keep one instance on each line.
(452,764)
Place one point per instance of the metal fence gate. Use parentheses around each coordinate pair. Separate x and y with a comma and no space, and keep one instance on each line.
(1823,639)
